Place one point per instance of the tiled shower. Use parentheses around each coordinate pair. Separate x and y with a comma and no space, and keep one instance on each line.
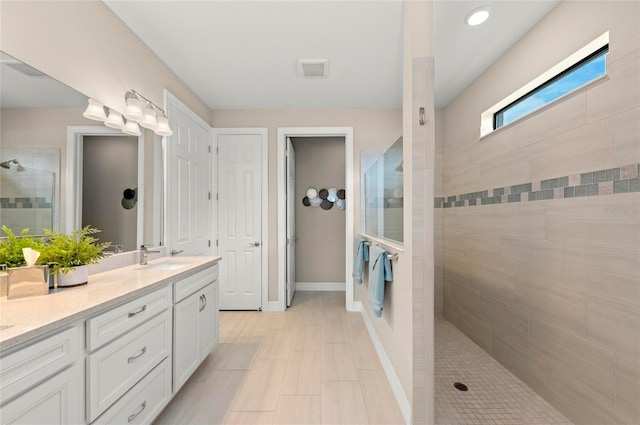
(29,189)
(537,226)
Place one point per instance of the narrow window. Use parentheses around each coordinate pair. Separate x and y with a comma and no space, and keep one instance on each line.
(577,75)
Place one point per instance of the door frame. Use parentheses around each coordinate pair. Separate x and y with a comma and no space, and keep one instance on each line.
(347,133)
(264,132)
(73,186)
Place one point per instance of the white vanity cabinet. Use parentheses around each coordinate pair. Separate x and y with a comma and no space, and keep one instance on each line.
(139,335)
(42,383)
(195,322)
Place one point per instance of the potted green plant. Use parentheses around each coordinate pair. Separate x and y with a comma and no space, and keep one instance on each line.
(23,279)
(69,255)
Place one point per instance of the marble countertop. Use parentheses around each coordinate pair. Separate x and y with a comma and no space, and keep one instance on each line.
(24,319)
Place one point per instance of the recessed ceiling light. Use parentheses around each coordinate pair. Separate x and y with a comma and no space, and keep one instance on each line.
(477,16)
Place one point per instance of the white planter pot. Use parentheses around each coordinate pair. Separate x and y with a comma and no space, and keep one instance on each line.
(78,276)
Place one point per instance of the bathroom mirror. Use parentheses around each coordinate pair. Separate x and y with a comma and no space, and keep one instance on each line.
(383,197)
(37,113)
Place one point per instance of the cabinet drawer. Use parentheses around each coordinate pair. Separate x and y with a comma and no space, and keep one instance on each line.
(144,401)
(109,325)
(28,366)
(187,286)
(57,401)
(115,368)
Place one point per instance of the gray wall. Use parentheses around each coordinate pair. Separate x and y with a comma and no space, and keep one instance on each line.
(551,287)
(110,165)
(320,253)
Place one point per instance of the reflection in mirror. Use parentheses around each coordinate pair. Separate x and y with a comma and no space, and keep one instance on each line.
(29,189)
(383,195)
(37,113)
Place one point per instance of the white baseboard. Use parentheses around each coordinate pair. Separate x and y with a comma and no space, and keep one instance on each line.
(320,286)
(394,381)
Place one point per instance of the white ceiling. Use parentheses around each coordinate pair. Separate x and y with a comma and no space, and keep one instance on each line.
(242,54)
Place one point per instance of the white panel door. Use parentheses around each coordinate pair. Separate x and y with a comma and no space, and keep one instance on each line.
(291,222)
(240,213)
(188,196)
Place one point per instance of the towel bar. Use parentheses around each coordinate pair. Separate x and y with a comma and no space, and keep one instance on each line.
(392,256)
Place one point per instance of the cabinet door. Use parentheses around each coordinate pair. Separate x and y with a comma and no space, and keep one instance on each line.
(186,353)
(208,319)
(58,400)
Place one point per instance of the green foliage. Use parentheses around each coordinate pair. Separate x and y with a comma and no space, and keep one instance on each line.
(11,248)
(64,252)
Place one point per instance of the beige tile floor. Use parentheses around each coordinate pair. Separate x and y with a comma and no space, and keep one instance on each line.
(313,364)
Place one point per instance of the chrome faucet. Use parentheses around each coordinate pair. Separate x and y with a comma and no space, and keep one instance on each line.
(144,251)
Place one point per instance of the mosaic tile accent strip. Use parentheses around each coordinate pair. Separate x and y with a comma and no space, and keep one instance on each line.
(22,202)
(495,396)
(624,179)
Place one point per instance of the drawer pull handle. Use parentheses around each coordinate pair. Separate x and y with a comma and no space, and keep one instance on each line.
(135,415)
(132,358)
(140,310)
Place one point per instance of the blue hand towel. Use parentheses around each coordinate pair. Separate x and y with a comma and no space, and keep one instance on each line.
(379,272)
(362,255)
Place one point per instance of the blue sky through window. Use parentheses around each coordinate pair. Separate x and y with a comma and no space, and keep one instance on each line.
(555,88)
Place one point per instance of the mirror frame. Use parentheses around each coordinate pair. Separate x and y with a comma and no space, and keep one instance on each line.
(75,136)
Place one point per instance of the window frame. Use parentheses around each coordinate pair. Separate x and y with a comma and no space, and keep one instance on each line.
(602,51)
(573,60)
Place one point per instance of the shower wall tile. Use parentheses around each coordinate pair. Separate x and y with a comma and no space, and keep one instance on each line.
(605,315)
(580,358)
(627,388)
(565,306)
(619,92)
(476,329)
(520,361)
(627,133)
(570,391)
(606,220)
(610,271)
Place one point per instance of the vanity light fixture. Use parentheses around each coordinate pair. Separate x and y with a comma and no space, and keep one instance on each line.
(163,128)
(115,120)
(95,111)
(132,128)
(149,121)
(477,16)
(134,107)
(147,113)
(151,116)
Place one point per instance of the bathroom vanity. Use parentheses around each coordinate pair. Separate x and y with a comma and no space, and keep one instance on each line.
(114,351)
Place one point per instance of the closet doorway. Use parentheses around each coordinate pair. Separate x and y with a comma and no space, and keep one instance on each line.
(315,247)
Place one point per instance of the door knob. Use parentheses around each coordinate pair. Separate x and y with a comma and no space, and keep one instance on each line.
(254,244)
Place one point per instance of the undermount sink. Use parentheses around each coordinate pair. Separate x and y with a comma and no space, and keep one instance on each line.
(169,265)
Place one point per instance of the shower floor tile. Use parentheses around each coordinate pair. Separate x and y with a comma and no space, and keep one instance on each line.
(495,395)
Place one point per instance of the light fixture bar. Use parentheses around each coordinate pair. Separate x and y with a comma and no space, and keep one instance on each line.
(134,93)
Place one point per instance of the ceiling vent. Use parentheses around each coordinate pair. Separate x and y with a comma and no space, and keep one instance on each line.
(313,68)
